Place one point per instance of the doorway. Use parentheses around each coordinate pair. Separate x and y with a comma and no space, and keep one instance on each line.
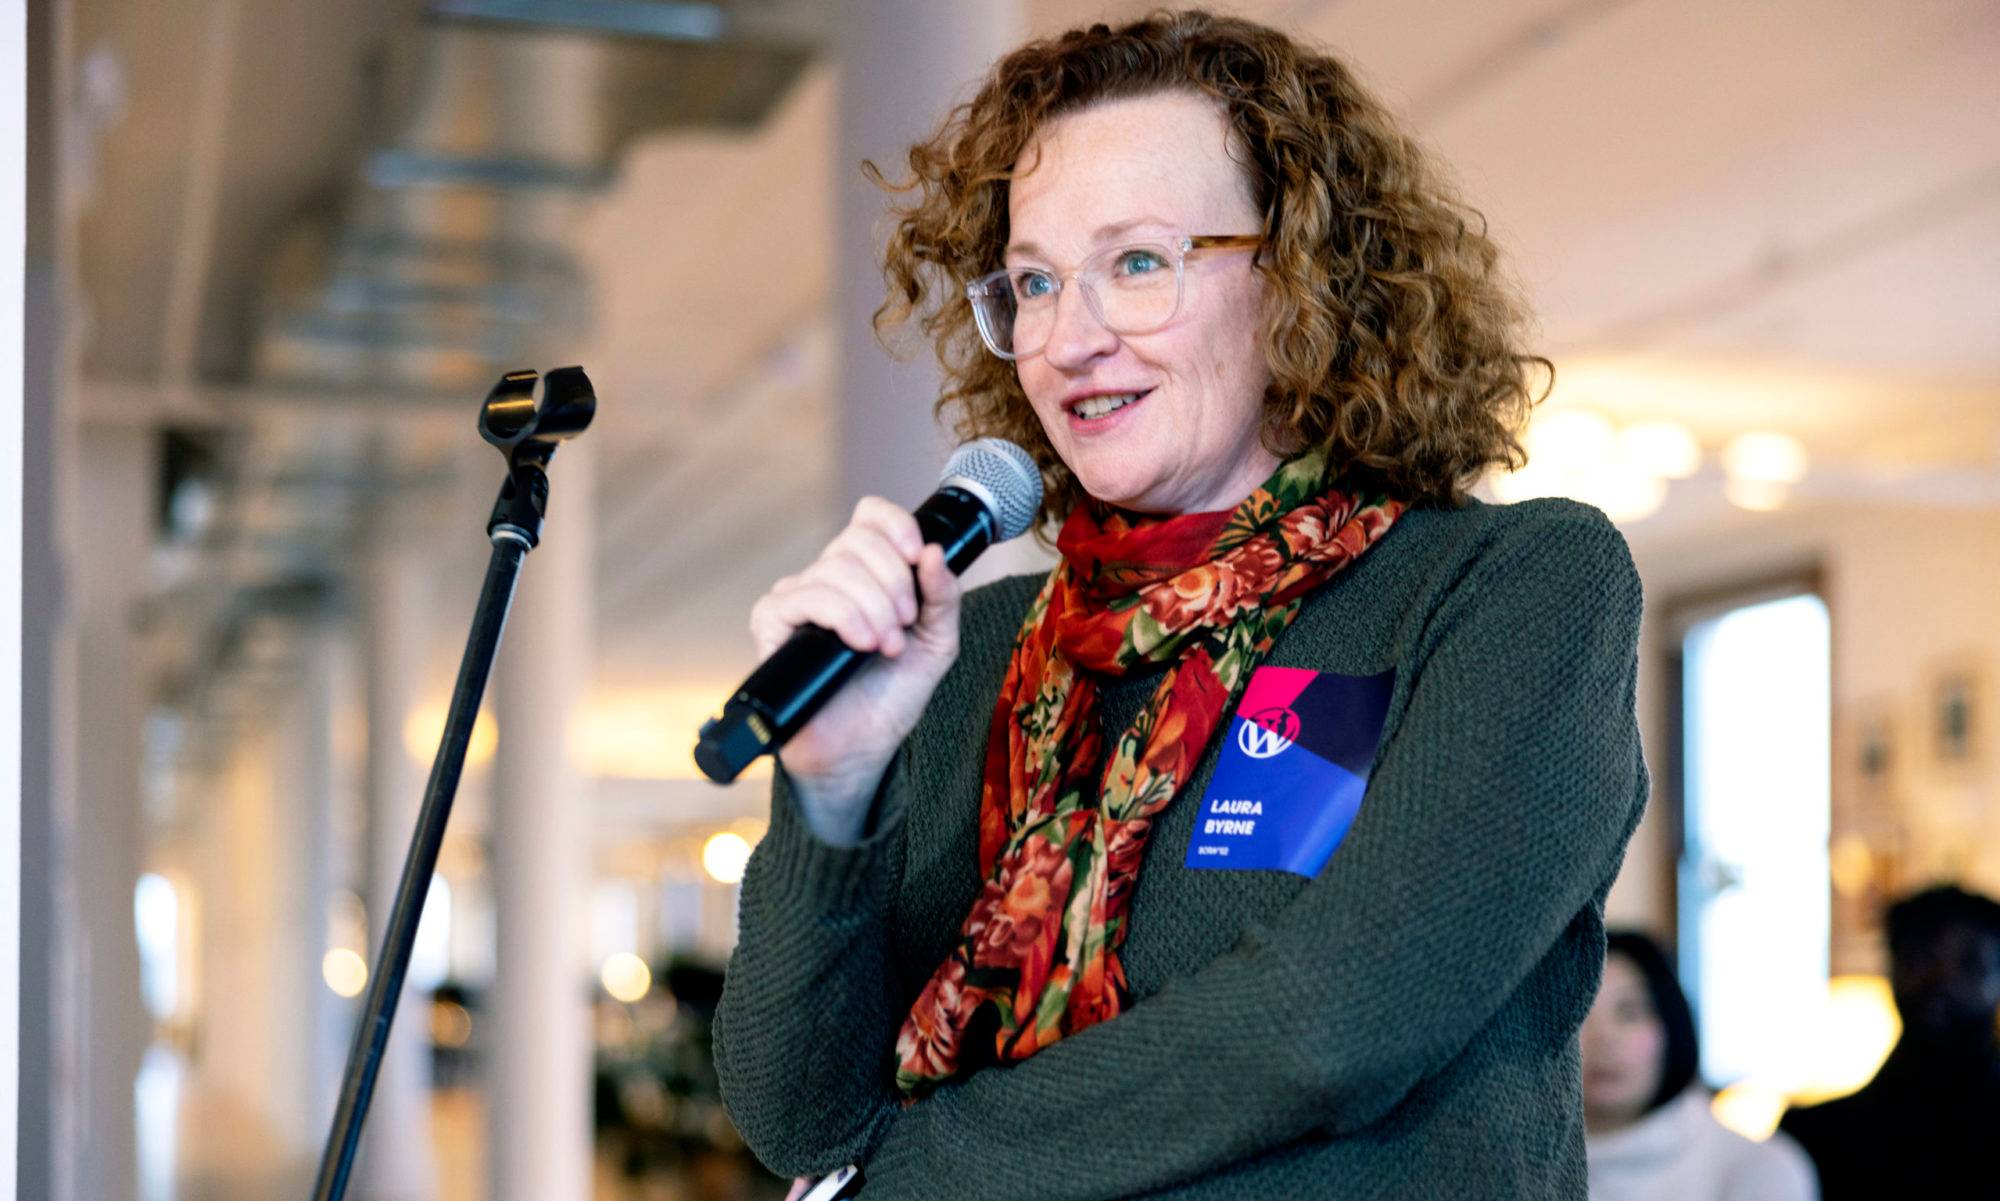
(1755,761)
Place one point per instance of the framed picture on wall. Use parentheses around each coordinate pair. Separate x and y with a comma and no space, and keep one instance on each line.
(1956,713)
(1874,744)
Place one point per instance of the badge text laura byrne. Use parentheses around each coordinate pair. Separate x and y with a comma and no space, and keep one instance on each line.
(1235,817)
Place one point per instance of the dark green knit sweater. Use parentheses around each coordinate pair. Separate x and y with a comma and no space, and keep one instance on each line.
(1402,1026)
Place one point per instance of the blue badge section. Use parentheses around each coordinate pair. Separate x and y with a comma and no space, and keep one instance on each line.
(1292,773)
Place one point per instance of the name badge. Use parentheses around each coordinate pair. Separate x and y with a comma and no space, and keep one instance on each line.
(1291,776)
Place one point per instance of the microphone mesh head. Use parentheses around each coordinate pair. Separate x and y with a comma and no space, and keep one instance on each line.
(1002,474)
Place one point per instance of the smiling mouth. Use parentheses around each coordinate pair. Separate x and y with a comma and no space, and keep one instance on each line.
(1098,407)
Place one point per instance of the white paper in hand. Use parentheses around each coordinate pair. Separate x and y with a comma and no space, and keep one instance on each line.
(844,1183)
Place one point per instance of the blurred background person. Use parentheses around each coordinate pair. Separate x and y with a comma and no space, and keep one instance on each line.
(1650,1133)
(1925,1125)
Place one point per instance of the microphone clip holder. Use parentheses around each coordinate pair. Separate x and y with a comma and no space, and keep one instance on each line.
(527,429)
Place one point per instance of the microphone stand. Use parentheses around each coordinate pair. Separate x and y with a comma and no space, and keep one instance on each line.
(527,429)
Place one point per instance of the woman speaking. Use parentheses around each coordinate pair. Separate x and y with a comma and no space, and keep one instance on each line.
(1260,849)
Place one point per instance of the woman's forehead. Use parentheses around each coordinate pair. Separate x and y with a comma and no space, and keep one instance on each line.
(1623,979)
(1146,164)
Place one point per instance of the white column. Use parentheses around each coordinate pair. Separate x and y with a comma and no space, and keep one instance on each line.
(269,1021)
(538,1065)
(303,798)
(396,1161)
(903,64)
(264,828)
(113,533)
(242,993)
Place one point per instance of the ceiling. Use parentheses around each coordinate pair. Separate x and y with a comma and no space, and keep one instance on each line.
(1774,214)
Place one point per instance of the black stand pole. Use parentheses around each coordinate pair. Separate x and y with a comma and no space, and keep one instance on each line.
(527,430)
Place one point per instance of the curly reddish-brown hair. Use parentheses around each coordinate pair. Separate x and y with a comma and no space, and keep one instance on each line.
(1391,337)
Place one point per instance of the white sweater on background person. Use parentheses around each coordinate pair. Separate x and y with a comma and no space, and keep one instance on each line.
(1679,1152)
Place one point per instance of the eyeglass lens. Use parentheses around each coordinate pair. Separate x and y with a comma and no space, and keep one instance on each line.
(1131,289)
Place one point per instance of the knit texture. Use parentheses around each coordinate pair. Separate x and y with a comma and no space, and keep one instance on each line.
(1402,1026)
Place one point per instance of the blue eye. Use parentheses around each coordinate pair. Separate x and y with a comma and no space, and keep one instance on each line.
(1139,262)
(1033,285)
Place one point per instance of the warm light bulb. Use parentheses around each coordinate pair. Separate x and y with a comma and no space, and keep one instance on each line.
(1578,453)
(626,977)
(724,856)
(1625,496)
(1512,487)
(1570,439)
(1664,449)
(1625,493)
(345,972)
(1767,457)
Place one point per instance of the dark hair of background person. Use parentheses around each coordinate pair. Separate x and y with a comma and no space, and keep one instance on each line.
(1917,921)
(1681,1057)
(1392,338)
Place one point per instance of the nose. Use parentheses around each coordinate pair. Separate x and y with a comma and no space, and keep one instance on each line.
(1077,337)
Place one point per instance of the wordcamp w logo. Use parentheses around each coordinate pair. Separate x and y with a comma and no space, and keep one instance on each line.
(1267,733)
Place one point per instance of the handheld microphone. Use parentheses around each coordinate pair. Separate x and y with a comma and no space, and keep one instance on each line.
(989,492)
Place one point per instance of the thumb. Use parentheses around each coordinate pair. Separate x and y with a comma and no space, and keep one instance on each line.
(939,589)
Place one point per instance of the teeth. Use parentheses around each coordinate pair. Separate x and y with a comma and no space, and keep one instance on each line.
(1098,406)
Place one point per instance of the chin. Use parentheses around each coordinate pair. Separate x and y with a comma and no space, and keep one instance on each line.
(1123,494)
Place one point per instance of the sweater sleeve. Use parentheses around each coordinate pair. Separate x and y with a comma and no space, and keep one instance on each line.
(809,985)
(1498,807)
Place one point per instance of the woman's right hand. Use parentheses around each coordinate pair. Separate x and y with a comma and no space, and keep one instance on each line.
(861,588)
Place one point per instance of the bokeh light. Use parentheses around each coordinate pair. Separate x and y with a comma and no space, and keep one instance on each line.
(724,856)
(626,977)
(1665,449)
(1750,1109)
(344,971)
(451,1024)
(1768,457)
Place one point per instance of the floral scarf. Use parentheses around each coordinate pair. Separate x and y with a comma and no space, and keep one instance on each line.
(1062,828)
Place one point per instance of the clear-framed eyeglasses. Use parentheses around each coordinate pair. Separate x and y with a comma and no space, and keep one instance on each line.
(1131,289)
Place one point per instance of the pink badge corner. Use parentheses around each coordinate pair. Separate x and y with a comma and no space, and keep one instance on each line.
(1274,688)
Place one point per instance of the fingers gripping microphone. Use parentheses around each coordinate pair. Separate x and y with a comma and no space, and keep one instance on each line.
(989,492)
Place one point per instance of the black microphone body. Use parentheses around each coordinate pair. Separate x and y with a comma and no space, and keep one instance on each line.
(782,695)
